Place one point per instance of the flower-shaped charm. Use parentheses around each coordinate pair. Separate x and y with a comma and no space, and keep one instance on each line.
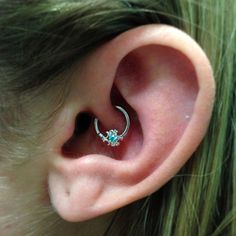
(113,138)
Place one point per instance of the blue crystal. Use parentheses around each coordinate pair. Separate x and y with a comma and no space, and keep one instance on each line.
(113,138)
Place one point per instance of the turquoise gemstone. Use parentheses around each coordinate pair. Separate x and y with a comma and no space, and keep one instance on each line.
(113,138)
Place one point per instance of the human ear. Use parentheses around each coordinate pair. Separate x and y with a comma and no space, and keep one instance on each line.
(164,80)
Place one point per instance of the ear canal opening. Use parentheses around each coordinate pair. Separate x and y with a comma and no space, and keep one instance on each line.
(82,123)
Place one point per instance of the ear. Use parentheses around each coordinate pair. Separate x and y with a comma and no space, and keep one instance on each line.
(163,79)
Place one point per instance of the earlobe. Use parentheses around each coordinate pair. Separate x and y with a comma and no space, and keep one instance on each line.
(164,81)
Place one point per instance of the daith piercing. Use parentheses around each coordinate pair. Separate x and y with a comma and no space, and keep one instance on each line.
(113,138)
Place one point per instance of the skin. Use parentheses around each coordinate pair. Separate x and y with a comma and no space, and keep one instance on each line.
(159,71)
(164,80)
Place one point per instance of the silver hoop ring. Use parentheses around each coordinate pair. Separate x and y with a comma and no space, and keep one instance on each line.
(112,138)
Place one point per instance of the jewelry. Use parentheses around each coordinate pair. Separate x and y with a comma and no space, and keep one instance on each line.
(112,137)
